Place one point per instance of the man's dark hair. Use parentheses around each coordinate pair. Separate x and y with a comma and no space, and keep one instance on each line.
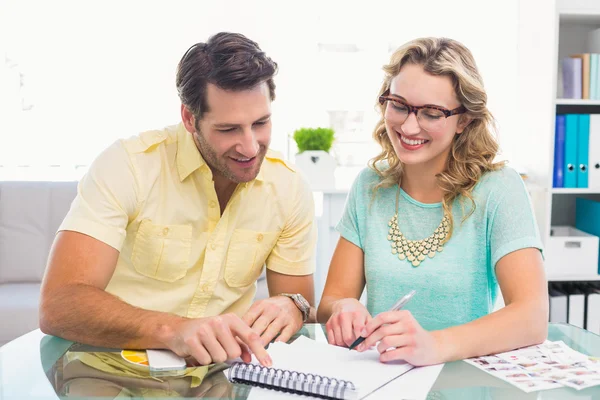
(230,61)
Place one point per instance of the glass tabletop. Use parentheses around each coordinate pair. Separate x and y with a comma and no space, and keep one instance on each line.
(46,367)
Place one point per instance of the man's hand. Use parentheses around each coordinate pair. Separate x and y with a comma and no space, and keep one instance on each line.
(217,339)
(272,316)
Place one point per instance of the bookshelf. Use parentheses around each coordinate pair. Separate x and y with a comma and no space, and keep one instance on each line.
(575,191)
(577,102)
(574,278)
(574,21)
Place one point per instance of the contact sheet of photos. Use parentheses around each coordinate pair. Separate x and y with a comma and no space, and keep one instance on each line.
(549,365)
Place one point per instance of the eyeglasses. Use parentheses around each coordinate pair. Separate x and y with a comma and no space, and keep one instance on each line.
(430,118)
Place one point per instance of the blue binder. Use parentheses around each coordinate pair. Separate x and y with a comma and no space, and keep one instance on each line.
(583,150)
(571,133)
(558,180)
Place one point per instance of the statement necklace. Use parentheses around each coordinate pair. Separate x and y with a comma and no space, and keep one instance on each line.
(415,251)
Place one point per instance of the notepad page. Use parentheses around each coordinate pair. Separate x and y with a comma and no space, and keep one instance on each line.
(415,385)
(363,369)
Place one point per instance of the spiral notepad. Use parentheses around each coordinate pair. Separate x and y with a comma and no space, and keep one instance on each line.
(317,369)
(292,381)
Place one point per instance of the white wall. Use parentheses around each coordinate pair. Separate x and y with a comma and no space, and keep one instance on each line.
(106,69)
(534,100)
(534,103)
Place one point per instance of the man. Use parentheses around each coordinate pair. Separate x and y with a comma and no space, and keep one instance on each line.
(170,229)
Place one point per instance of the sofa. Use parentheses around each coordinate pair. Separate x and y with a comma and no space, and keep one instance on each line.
(30,214)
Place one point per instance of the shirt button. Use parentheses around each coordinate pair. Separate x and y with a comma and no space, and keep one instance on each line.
(212,204)
(206,287)
(213,246)
(259,237)
(165,231)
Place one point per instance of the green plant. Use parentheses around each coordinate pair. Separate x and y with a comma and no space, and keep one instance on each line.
(314,139)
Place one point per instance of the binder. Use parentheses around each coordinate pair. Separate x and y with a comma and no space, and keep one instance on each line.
(572,79)
(597,75)
(585,62)
(594,152)
(576,309)
(593,315)
(593,76)
(571,133)
(597,97)
(559,152)
(583,140)
(593,39)
(558,306)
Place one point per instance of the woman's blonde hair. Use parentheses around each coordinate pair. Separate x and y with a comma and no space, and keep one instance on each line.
(473,151)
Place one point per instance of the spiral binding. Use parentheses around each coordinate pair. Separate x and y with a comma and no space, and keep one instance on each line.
(292,381)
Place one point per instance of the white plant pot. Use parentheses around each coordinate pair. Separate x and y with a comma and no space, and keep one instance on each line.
(319,167)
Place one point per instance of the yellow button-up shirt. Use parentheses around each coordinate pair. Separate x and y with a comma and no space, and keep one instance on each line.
(152,197)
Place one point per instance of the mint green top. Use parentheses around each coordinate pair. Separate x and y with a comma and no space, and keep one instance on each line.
(459,284)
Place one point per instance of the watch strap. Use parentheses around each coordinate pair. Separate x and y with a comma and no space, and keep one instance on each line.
(301,303)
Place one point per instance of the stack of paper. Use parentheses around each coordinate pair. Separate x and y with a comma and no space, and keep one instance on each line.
(546,366)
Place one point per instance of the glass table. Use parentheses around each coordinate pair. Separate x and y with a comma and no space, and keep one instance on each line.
(38,366)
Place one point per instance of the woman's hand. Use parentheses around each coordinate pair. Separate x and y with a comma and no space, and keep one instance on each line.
(401,337)
(348,319)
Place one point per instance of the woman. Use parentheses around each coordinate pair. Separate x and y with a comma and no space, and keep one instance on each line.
(434,213)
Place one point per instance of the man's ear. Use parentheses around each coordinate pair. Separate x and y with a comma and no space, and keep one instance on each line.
(188,119)
(463,122)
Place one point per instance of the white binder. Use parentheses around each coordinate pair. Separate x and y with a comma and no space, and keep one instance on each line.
(558,308)
(594,154)
(593,316)
(576,309)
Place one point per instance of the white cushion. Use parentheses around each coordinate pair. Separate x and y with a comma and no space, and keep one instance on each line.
(19,303)
(30,214)
(262,291)
(61,197)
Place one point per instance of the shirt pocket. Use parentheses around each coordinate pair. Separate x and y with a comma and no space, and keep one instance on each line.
(247,253)
(162,252)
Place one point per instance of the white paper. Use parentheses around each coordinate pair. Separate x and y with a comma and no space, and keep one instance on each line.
(363,369)
(414,385)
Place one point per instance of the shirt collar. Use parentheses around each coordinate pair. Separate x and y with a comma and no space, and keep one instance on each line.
(189,158)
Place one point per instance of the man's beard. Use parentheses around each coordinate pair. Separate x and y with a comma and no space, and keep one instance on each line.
(219,165)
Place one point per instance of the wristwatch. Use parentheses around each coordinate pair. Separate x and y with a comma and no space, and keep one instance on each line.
(300,302)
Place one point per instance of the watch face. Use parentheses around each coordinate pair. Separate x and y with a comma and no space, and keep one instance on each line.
(303,305)
(303,301)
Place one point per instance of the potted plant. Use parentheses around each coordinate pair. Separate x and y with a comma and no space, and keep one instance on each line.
(313,156)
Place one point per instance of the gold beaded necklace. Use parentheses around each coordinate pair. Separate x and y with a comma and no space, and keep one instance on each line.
(415,250)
